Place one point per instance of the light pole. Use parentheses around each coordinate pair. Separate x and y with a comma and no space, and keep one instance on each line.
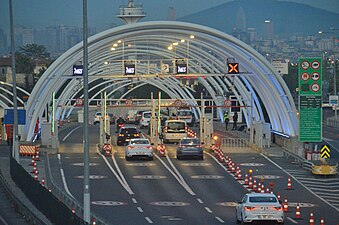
(15,152)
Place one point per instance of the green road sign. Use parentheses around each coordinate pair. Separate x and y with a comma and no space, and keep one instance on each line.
(310,119)
(310,76)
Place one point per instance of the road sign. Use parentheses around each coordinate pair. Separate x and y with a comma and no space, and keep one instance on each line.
(325,152)
(310,119)
(228,103)
(129,101)
(9,116)
(280,65)
(78,70)
(79,102)
(310,76)
(233,68)
(107,147)
(177,103)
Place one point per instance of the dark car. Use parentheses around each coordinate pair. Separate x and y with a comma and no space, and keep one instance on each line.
(126,134)
(190,147)
(138,116)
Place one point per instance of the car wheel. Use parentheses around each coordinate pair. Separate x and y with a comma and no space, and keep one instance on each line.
(178,157)
(201,157)
(151,158)
(127,158)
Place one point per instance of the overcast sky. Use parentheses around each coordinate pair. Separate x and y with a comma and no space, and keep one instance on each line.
(102,13)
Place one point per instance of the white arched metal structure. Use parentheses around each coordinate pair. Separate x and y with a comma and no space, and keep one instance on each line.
(146,43)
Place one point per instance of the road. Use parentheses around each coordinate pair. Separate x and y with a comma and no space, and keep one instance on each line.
(169,191)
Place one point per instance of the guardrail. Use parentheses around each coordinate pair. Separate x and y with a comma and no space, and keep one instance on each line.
(331,121)
(235,142)
(30,216)
(69,201)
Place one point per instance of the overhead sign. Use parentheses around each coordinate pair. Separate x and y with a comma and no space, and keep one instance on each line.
(310,76)
(181,66)
(9,116)
(177,103)
(228,103)
(129,69)
(232,68)
(280,65)
(78,70)
(129,102)
(325,152)
(79,102)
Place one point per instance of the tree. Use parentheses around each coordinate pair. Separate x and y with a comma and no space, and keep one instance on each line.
(35,51)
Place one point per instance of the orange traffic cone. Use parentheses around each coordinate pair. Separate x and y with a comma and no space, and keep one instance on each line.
(33,160)
(250,184)
(311,218)
(43,182)
(297,212)
(289,184)
(285,205)
(246,179)
(262,188)
(94,221)
(255,188)
(278,196)
(73,210)
(322,222)
(259,187)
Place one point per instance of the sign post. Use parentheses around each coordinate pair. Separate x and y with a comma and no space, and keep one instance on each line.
(310,95)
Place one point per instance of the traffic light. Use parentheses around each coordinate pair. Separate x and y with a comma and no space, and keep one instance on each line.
(233,68)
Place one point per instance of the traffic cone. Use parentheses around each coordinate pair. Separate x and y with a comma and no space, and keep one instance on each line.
(250,183)
(297,212)
(239,174)
(262,188)
(255,188)
(311,218)
(289,184)
(267,190)
(246,179)
(34,169)
(37,158)
(259,187)
(33,160)
(73,210)
(94,221)
(285,205)
(278,196)
(36,176)
(322,222)
(43,182)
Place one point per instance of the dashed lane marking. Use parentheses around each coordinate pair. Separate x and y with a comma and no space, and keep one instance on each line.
(134,201)
(149,177)
(82,164)
(140,164)
(148,220)
(140,209)
(200,201)
(93,177)
(219,219)
(170,203)
(228,204)
(196,164)
(109,203)
(209,177)
(208,210)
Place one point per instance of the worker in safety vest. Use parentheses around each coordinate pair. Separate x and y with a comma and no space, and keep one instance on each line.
(226,119)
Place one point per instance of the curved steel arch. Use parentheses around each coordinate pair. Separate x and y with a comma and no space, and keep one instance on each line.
(258,75)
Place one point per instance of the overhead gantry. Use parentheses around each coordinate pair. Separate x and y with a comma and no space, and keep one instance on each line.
(153,47)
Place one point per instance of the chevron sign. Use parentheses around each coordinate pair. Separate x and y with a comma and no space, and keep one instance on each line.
(325,152)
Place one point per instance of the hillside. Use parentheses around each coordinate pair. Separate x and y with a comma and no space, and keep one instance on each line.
(288,17)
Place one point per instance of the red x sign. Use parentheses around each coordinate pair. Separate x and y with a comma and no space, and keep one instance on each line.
(233,68)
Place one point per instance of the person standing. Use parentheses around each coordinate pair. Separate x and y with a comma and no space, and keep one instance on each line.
(226,119)
(235,120)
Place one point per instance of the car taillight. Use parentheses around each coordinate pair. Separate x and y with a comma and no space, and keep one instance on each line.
(129,147)
(136,135)
(249,208)
(199,146)
(278,208)
(121,135)
(150,148)
(180,146)
(165,129)
(186,129)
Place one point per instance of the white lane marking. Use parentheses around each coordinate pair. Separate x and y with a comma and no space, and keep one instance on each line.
(337,209)
(219,219)
(179,175)
(3,220)
(175,176)
(65,183)
(292,220)
(119,171)
(59,159)
(249,190)
(200,201)
(208,210)
(140,209)
(148,220)
(134,201)
(127,188)
(70,133)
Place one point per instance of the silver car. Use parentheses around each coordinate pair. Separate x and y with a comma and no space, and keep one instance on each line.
(259,207)
(139,147)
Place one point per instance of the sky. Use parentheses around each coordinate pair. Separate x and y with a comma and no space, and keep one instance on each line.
(102,13)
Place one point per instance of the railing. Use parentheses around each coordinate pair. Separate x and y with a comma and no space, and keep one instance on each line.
(235,142)
(332,122)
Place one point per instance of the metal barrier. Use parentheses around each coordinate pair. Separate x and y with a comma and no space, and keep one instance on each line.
(331,121)
(69,201)
(235,142)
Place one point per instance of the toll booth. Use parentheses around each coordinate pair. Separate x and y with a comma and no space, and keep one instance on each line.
(49,139)
(262,134)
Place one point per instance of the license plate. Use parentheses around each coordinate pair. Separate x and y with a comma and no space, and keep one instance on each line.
(128,139)
(264,208)
(264,217)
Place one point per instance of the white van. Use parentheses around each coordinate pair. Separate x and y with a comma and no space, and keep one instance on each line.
(187,115)
(131,115)
(174,130)
(145,119)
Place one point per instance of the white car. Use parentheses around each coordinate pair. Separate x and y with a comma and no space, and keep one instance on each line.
(139,147)
(97,117)
(259,207)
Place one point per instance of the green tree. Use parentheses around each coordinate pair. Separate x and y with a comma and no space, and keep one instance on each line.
(35,51)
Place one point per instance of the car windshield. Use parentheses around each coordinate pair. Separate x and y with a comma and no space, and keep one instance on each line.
(262,199)
(140,142)
(190,142)
(147,115)
(176,125)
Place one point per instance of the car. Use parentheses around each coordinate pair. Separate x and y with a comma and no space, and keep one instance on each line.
(145,119)
(259,207)
(190,147)
(186,115)
(97,117)
(138,116)
(174,130)
(139,147)
(127,133)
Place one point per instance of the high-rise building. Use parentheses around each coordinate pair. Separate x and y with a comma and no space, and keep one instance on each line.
(240,22)
(171,16)
(269,29)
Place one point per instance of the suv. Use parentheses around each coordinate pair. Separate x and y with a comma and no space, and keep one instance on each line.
(126,134)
